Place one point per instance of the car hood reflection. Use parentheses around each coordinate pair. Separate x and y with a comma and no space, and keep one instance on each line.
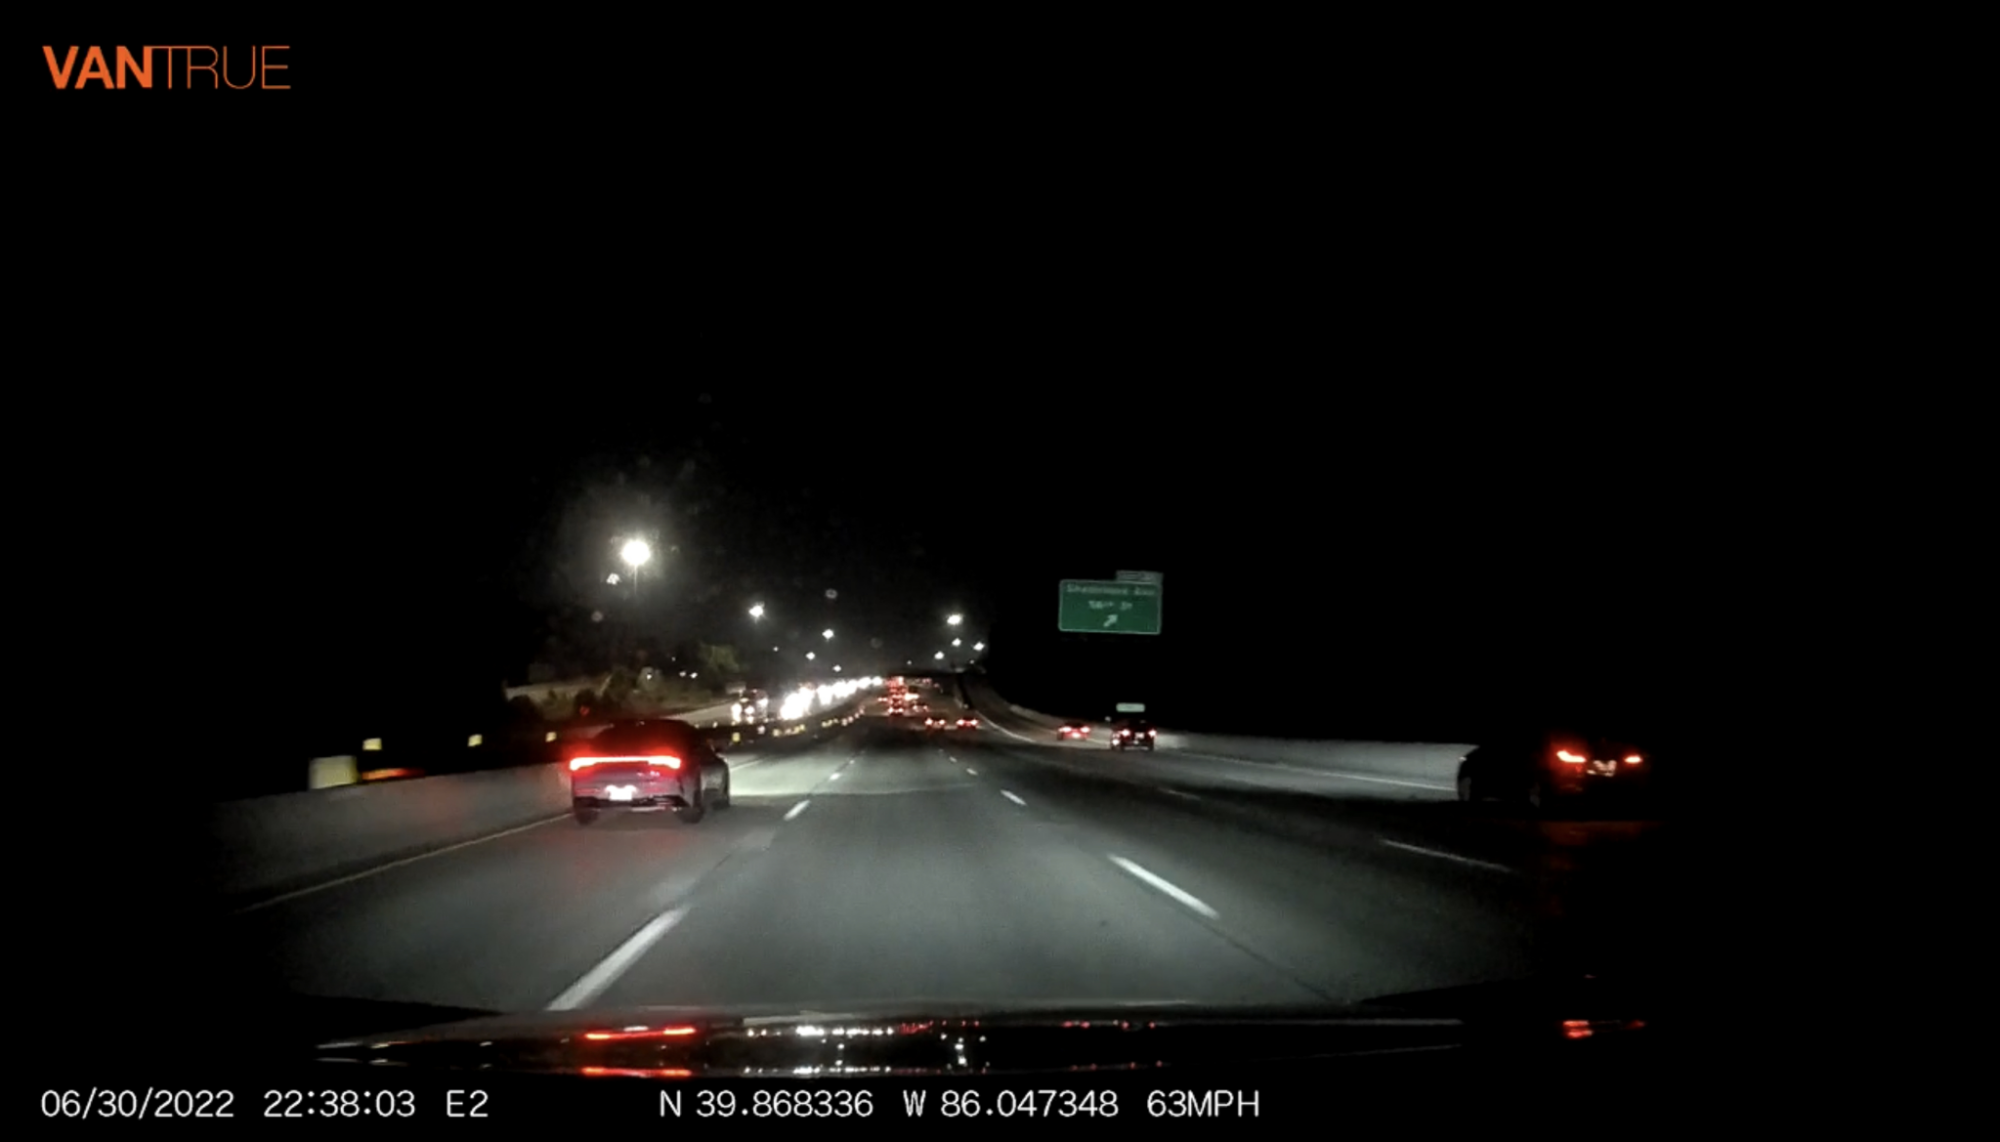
(917,1038)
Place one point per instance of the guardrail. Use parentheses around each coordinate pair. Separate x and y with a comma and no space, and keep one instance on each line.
(262,847)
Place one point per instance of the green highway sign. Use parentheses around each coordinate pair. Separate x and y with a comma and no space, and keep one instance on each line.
(1096,606)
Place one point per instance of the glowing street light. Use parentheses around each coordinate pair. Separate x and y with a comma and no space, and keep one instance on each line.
(827,634)
(636,553)
(958,642)
(757,612)
(979,646)
(938,655)
(955,620)
(810,656)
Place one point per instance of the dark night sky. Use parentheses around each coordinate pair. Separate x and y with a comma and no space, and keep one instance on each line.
(1413,430)
(1391,559)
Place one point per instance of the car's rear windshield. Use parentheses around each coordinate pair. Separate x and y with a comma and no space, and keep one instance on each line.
(654,735)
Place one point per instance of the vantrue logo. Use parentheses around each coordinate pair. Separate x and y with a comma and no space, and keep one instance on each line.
(74,72)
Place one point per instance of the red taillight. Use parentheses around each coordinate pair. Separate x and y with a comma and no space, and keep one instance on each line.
(669,761)
(1632,760)
(1152,733)
(638,1033)
(1571,758)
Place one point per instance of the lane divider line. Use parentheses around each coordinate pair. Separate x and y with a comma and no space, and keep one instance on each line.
(971,772)
(1165,886)
(367,872)
(617,963)
(798,808)
(1447,856)
(1180,793)
(1014,799)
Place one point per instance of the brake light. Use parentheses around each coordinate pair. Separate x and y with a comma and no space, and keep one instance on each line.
(1632,760)
(1572,758)
(667,760)
(1152,733)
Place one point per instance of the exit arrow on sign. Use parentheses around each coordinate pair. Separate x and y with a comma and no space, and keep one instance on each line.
(1111,620)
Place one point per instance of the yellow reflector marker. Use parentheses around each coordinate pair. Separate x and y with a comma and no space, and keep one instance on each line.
(474,740)
(372,744)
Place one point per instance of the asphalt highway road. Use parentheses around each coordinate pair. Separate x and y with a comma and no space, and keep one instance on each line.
(890,864)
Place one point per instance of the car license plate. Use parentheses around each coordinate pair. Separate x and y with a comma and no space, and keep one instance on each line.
(621,792)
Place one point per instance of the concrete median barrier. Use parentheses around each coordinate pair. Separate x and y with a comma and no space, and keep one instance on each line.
(262,847)
(270,844)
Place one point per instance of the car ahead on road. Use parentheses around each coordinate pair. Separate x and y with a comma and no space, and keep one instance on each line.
(1541,768)
(650,764)
(967,723)
(1134,734)
(1073,731)
(934,725)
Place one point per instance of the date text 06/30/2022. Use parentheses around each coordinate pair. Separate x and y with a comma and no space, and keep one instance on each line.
(352,1104)
(1027,1103)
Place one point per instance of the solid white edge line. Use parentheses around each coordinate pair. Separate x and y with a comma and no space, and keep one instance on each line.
(1344,776)
(1447,856)
(1180,793)
(971,772)
(1014,799)
(798,808)
(617,963)
(1165,886)
(1268,765)
(1008,732)
(367,872)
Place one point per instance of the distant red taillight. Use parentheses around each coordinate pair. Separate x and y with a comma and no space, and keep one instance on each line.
(637,1033)
(1571,758)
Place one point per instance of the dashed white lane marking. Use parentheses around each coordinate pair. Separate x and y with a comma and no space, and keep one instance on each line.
(1447,856)
(614,965)
(971,772)
(797,809)
(1165,885)
(1014,799)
